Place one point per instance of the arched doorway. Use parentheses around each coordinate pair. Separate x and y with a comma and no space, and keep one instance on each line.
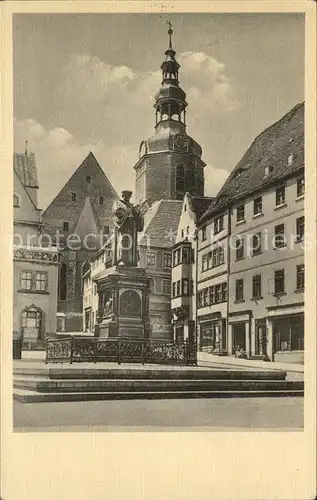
(32,324)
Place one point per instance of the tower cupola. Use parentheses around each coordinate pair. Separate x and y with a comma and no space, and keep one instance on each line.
(170,100)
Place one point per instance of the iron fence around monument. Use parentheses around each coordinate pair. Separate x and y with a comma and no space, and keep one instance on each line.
(120,350)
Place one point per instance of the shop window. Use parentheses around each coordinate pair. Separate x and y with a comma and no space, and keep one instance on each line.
(279,282)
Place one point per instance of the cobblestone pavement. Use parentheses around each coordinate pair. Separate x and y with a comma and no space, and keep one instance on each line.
(266,414)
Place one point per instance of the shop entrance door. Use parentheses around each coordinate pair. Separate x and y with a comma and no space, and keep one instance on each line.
(239,336)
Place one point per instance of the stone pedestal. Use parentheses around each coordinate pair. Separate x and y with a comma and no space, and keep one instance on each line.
(124,302)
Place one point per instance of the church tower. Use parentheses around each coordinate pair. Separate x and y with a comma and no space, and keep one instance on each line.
(170,162)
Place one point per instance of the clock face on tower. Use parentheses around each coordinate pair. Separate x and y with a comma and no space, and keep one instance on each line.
(181,142)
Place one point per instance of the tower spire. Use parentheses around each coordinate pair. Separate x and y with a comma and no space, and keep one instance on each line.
(170,32)
(170,101)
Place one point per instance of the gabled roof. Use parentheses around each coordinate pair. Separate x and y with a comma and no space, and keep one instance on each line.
(62,207)
(161,223)
(199,204)
(25,166)
(266,161)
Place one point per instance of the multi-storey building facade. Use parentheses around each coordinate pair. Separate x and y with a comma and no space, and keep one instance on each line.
(262,205)
(184,270)
(212,278)
(35,266)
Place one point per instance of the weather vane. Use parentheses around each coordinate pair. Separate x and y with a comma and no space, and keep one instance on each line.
(170,31)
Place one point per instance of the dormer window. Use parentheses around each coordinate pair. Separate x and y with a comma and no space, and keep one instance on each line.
(290,159)
(16,200)
(267,170)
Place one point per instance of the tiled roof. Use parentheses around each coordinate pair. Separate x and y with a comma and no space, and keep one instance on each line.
(62,207)
(200,204)
(161,223)
(268,154)
(25,166)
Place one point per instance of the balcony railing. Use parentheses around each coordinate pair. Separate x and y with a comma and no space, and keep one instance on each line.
(120,350)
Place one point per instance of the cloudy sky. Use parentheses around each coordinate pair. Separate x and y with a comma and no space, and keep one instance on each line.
(86,82)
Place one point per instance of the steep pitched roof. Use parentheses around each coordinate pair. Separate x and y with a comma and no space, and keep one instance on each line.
(270,150)
(199,204)
(25,166)
(161,223)
(63,208)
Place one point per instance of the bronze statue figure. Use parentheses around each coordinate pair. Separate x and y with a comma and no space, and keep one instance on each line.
(128,222)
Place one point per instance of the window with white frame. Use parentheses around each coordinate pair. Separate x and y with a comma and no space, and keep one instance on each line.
(150,259)
(167,259)
(166,287)
(257,206)
(26,280)
(300,187)
(41,281)
(240,213)
(280,196)
(218,224)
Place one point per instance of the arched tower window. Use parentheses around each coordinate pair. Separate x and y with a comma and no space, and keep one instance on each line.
(190,181)
(62,282)
(180,178)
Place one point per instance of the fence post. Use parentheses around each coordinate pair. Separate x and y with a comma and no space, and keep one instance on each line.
(119,351)
(95,350)
(71,349)
(142,352)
